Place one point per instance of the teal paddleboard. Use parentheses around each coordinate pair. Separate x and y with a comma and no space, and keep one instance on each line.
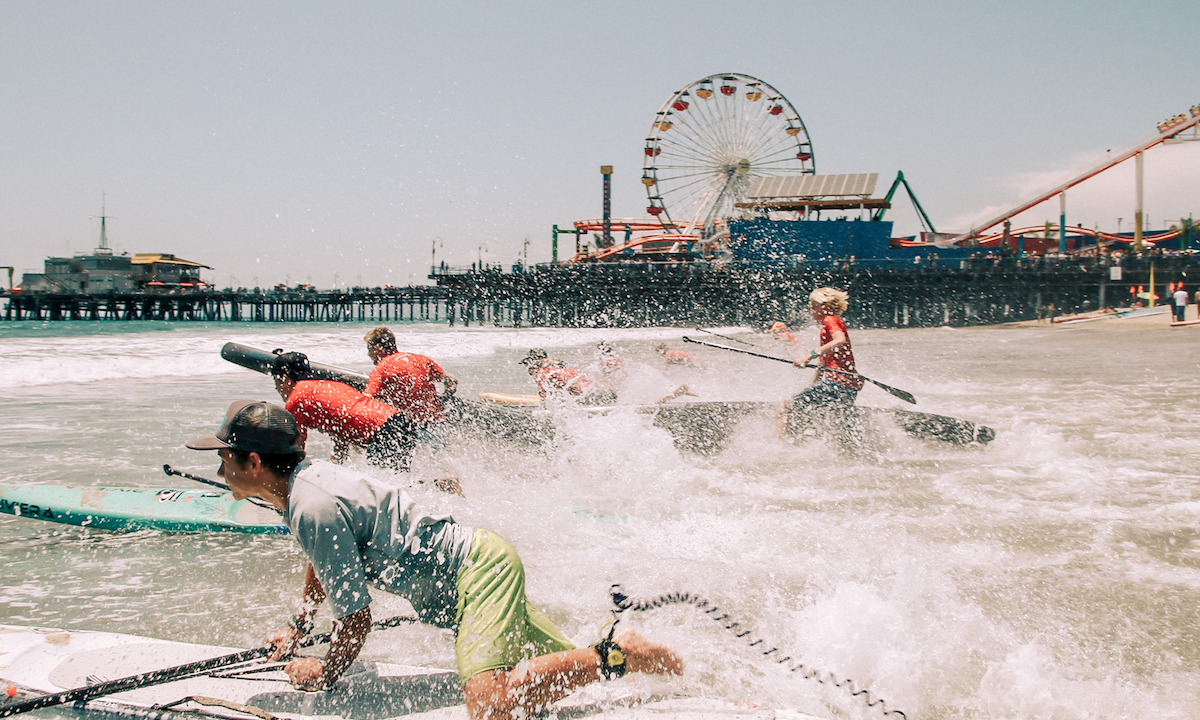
(129,509)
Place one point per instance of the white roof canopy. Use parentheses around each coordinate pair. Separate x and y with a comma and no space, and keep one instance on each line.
(813,186)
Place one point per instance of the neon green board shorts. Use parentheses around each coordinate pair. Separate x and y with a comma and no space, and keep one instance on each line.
(497,625)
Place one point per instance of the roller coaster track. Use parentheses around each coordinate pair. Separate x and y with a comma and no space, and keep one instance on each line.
(1168,130)
(1035,233)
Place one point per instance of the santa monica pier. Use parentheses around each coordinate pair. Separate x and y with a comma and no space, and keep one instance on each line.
(738,228)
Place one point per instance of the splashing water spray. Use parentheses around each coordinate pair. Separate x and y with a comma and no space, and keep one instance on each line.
(622,602)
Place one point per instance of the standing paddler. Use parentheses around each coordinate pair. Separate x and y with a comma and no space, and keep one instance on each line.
(359,532)
(831,395)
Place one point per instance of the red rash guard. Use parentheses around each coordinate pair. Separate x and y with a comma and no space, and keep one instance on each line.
(557,378)
(679,357)
(611,364)
(338,410)
(840,358)
(406,382)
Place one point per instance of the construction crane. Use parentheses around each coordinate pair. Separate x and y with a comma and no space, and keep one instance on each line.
(925,221)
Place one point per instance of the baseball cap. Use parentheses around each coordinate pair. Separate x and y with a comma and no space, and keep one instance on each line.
(259,427)
(536,355)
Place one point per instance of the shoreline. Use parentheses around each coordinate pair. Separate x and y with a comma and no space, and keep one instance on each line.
(1163,319)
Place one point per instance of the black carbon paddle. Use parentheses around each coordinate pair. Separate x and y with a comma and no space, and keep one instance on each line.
(196,478)
(158,677)
(726,337)
(902,394)
(179,473)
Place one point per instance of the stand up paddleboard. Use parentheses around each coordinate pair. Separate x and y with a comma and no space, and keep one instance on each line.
(36,661)
(706,427)
(130,509)
(39,661)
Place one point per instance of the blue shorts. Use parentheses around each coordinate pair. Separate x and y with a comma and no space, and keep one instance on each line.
(824,392)
(823,407)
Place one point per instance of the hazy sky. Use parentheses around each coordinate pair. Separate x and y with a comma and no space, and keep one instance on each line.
(334,142)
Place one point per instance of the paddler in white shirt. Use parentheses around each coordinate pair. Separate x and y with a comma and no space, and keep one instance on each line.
(358,532)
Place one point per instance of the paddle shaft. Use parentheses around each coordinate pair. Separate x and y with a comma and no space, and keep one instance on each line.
(158,677)
(172,471)
(902,394)
(723,337)
(253,500)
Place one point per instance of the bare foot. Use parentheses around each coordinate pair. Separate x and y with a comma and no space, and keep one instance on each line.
(645,656)
(449,484)
(678,392)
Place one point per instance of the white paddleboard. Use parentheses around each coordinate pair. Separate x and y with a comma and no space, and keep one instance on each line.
(518,399)
(40,661)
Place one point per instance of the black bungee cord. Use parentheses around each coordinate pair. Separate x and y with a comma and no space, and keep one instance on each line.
(623,603)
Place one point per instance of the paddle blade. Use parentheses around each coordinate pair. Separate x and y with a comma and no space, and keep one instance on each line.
(896,392)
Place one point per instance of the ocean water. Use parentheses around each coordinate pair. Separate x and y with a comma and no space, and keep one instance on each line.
(1054,573)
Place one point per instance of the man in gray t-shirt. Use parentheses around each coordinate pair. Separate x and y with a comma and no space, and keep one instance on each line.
(357,531)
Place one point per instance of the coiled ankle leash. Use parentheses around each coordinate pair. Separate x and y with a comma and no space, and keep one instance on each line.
(622,602)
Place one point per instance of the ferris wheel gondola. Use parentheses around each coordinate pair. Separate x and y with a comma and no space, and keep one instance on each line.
(710,140)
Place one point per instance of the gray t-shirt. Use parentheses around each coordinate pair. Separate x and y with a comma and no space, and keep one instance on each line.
(357,530)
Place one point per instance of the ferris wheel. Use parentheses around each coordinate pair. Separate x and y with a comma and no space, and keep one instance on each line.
(710,140)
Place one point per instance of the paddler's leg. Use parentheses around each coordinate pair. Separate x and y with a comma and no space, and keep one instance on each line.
(509,654)
(677,392)
(795,415)
(843,417)
(536,683)
(392,445)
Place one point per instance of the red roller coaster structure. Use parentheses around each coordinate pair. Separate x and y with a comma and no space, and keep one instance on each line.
(1169,130)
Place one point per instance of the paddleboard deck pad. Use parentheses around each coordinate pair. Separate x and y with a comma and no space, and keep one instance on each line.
(129,509)
(35,661)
